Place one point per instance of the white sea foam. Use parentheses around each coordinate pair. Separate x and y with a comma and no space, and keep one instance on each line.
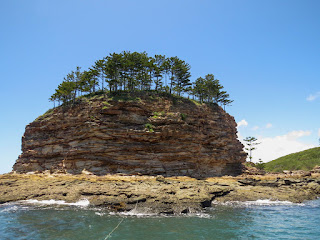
(268,202)
(138,213)
(10,209)
(259,202)
(100,213)
(80,203)
(199,215)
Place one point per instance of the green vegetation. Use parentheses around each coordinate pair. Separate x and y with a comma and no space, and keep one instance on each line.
(158,114)
(183,116)
(305,160)
(121,74)
(149,127)
(260,165)
(209,89)
(45,115)
(106,105)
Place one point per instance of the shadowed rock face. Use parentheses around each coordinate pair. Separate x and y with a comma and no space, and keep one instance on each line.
(149,136)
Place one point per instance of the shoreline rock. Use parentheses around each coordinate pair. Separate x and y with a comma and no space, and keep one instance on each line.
(160,195)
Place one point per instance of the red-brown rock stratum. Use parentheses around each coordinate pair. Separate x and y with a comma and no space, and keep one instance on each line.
(141,134)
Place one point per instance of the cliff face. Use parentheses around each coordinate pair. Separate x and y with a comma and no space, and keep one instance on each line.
(147,135)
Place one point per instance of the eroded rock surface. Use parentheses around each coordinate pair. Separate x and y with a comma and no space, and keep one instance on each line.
(148,135)
(150,194)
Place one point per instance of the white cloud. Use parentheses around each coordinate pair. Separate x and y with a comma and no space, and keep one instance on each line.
(255,128)
(269,125)
(297,134)
(274,147)
(243,122)
(313,97)
(319,132)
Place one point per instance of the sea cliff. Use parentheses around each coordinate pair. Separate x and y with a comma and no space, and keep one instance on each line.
(143,134)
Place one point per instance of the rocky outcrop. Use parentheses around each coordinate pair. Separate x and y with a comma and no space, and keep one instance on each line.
(274,187)
(133,135)
(117,193)
(150,194)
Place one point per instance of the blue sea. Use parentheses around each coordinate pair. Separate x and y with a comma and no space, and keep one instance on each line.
(262,219)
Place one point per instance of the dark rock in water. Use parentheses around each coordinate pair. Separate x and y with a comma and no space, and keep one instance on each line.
(206,203)
(146,136)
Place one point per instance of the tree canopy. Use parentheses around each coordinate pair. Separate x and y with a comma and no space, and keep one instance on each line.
(134,71)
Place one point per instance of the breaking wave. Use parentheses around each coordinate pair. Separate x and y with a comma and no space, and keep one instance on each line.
(80,203)
(259,202)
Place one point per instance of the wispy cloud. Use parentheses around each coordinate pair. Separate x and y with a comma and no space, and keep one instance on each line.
(319,132)
(269,125)
(313,97)
(297,134)
(243,122)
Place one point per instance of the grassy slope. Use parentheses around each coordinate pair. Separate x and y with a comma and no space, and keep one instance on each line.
(305,160)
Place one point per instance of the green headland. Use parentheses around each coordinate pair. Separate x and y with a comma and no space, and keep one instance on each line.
(304,160)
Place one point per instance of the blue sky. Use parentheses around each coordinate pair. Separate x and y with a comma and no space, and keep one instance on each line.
(265,53)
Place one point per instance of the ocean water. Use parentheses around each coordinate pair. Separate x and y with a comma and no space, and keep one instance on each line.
(262,219)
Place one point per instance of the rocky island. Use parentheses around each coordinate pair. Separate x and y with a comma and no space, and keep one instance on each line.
(101,149)
(132,147)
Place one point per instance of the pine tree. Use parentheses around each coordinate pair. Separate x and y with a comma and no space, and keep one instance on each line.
(100,71)
(251,142)
(199,89)
(159,71)
(182,76)
(113,67)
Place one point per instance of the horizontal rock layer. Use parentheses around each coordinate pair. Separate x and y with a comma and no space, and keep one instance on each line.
(152,136)
(149,194)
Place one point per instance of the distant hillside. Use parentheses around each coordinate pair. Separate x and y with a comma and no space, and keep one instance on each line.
(305,160)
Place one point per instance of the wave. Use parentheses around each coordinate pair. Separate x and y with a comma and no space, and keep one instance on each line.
(259,202)
(268,202)
(9,208)
(80,203)
(135,212)
(145,212)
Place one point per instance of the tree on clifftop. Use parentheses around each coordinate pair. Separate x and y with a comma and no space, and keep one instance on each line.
(134,71)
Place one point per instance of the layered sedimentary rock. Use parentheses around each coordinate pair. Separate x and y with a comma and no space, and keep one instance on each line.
(149,194)
(147,135)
